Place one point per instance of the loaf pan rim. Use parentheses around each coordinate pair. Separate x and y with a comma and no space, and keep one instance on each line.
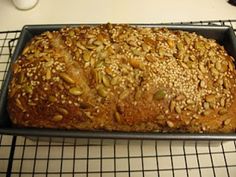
(106,134)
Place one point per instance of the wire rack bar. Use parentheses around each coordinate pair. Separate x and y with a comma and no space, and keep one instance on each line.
(21,156)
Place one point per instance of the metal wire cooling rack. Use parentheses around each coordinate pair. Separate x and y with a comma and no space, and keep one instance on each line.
(20,156)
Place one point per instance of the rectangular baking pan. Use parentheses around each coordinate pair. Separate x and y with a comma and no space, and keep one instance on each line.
(224,35)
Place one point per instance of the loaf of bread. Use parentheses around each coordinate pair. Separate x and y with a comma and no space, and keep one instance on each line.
(123,78)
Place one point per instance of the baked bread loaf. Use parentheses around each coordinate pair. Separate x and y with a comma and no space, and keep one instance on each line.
(123,78)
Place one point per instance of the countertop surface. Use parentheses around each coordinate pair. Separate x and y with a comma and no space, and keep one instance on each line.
(114,11)
(20,156)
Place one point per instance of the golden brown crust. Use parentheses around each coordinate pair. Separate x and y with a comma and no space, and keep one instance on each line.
(123,78)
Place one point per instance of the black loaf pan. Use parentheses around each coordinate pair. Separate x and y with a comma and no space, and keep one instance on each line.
(224,35)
